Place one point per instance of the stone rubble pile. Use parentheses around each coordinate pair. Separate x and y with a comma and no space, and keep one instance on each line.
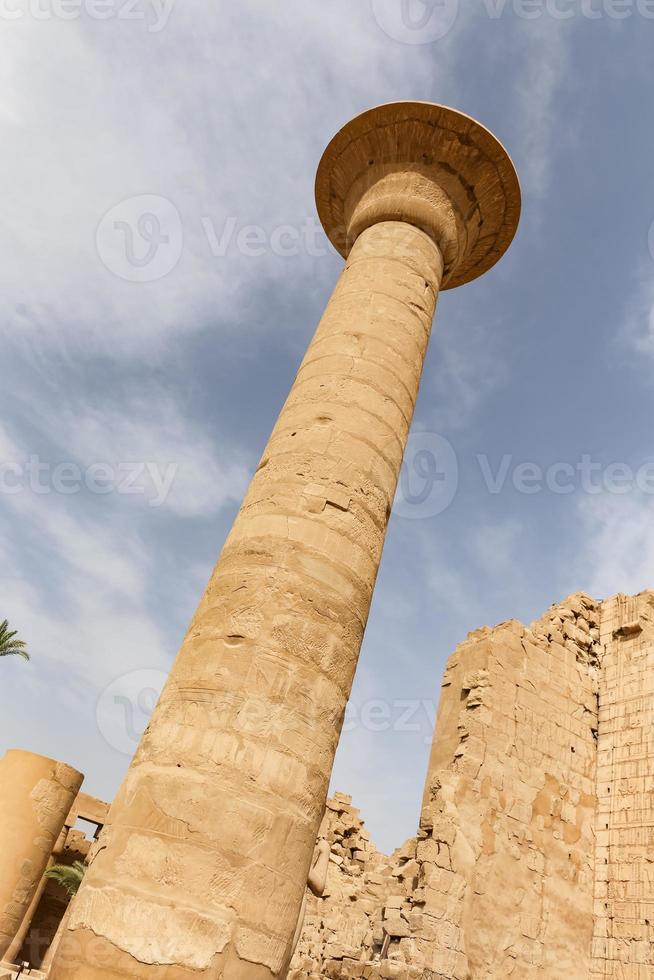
(366,909)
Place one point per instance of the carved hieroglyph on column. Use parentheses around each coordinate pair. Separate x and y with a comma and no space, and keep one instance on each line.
(203,866)
(36,795)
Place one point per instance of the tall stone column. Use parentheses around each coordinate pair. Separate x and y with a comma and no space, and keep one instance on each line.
(204,862)
(36,795)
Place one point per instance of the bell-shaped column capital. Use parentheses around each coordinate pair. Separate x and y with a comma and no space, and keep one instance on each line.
(430,166)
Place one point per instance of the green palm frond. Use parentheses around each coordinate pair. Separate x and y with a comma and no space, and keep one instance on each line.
(9,645)
(68,875)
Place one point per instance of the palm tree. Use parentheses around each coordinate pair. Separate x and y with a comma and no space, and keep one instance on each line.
(9,645)
(68,875)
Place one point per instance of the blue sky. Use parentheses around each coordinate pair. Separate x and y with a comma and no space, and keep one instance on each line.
(137,395)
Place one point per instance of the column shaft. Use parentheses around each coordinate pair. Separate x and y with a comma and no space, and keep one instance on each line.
(13,951)
(36,795)
(205,858)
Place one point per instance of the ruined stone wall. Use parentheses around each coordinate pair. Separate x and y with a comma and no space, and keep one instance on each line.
(501,879)
(506,879)
(624,887)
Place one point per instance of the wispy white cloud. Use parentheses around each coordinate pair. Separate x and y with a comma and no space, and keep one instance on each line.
(636,333)
(148,435)
(467,363)
(96,569)
(617,543)
(545,61)
(494,547)
(142,123)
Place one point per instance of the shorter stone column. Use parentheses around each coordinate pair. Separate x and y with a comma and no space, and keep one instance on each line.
(36,795)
